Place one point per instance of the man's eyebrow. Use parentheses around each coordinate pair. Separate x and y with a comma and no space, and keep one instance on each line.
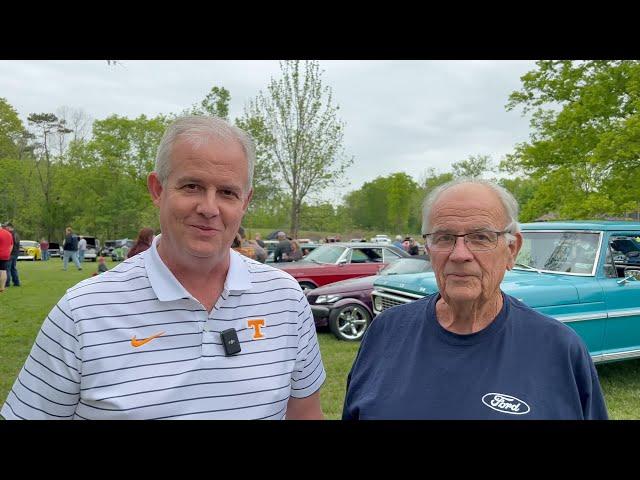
(472,230)
(188,180)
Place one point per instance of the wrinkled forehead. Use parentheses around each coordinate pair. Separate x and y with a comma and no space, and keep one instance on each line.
(468,205)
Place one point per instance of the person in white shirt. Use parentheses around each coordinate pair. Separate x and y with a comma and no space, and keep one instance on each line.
(188,329)
(82,248)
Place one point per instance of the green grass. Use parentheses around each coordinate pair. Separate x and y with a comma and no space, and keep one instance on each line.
(23,309)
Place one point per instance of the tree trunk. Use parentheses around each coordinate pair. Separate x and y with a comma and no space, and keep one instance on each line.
(295,218)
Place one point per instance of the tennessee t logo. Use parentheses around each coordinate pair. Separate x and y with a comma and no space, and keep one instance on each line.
(256,323)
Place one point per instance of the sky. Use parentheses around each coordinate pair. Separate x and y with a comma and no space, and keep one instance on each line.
(400,115)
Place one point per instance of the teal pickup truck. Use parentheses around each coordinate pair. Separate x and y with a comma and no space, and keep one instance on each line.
(585,274)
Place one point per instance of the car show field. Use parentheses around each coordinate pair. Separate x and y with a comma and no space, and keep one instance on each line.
(23,310)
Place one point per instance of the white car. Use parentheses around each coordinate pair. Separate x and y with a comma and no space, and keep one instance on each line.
(381,239)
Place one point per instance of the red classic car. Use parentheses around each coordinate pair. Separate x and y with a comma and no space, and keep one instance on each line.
(340,261)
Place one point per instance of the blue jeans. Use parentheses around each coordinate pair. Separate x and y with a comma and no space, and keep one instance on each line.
(45,255)
(12,272)
(73,255)
(81,255)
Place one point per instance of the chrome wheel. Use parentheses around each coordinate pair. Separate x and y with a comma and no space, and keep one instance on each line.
(350,322)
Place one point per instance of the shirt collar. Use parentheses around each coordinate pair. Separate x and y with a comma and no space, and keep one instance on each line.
(167,287)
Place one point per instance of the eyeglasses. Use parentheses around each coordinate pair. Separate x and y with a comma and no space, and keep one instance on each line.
(475,241)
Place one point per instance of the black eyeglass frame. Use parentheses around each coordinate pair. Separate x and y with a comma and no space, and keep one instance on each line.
(464,235)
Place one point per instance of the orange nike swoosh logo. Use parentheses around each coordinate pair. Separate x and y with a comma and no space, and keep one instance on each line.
(142,341)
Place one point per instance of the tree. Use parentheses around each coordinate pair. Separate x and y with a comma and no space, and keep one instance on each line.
(386,203)
(265,185)
(47,126)
(11,130)
(475,166)
(216,103)
(300,117)
(584,149)
(128,145)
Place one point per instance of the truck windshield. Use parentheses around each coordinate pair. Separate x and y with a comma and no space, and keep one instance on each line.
(561,252)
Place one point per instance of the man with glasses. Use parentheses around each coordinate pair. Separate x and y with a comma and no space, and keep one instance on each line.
(470,351)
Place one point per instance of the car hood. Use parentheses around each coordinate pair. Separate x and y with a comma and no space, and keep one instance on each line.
(534,289)
(346,286)
(300,264)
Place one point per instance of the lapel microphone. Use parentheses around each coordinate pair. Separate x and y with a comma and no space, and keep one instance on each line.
(230,341)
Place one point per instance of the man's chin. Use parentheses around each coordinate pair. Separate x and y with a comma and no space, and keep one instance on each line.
(461,295)
(204,254)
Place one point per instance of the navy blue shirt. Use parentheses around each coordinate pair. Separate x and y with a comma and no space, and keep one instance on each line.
(524,365)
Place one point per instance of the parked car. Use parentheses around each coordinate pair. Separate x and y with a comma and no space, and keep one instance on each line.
(306,248)
(340,261)
(566,270)
(29,250)
(345,307)
(626,251)
(55,249)
(381,239)
(114,248)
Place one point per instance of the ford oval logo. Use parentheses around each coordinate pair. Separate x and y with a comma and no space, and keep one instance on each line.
(505,404)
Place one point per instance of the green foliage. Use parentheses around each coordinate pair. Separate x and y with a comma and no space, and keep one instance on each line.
(216,103)
(584,150)
(386,203)
(11,130)
(475,166)
(127,146)
(431,179)
(265,185)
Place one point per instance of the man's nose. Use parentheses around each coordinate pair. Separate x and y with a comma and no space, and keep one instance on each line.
(460,252)
(208,204)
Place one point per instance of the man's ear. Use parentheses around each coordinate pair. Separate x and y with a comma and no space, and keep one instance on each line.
(155,188)
(514,249)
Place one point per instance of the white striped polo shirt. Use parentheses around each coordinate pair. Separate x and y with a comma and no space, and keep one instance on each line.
(132,343)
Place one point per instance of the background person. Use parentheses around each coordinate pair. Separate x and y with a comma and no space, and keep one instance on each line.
(70,249)
(82,248)
(6,245)
(259,240)
(102,266)
(142,243)
(295,254)
(12,266)
(414,249)
(283,247)
(242,246)
(44,249)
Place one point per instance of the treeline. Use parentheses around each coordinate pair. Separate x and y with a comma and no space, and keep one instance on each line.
(582,159)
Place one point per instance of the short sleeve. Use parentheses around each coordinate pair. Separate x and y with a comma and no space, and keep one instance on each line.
(309,374)
(48,386)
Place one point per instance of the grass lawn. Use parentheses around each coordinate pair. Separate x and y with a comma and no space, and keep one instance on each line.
(23,309)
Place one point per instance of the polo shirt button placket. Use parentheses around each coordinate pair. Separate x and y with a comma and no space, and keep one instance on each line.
(208,337)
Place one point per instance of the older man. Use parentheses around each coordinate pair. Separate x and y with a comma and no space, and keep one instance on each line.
(471,351)
(283,249)
(188,329)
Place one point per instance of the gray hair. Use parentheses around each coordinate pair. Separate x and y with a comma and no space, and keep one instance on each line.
(197,130)
(509,203)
